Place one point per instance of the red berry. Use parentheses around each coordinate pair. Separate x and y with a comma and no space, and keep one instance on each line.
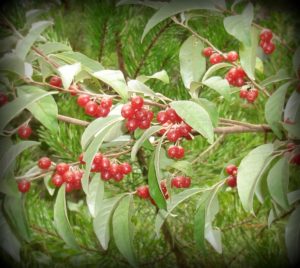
(55,81)
(172,151)
(150,115)
(231,181)
(127,111)
(114,169)
(243,93)
(82,100)
(125,168)
(240,72)
(206,52)
(215,58)
(57,180)
(263,44)
(295,160)
(69,187)
(91,108)
(105,163)
(98,158)
(77,185)
(141,114)
(173,135)
(105,175)
(143,191)
(161,117)
(164,189)
(180,152)
(269,48)
(176,182)
(3,99)
(239,82)
(44,163)
(231,169)
(232,56)
(24,186)
(251,96)
(266,35)
(132,124)
(185,130)
(106,102)
(186,182)
(78,175)
(73,90)
(172,115)
(144,124)
(69,176)
(137,102)
(61,168)
(24,132)
(118,177)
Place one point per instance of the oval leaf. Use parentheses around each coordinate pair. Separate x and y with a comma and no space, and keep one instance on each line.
(139,87)
(68,72)
(218,84)
(95,195)
(162,76)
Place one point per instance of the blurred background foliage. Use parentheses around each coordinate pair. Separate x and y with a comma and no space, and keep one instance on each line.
(113,36)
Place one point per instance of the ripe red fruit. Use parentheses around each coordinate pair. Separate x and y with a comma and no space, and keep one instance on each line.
(61,168)
(164,189)
(239,82)
(180,152)
(44,163)
(78,174)
(240,72)
(24,186)
(266,35)
(24,132)
(105,175)
(150,115)
(144,124)
(185,130)
(118,177)
(114,169)
(269,48)
(243,93)
(132,124)
(106,102)
(3,99)
(55,81)
(127,111)
(98,158)
(206,52)
(143,191)
(172,151)
(141,114)
(57,180)
(296,159)
(232,56)
(186,182)
(173,135)
(173,116)
(73,90)
(125,168)
(137,102)
(69,187)
(77,185)
(216,58)
(91,108)
(177,182)
(82,100)
(251,96)
(231,181)
(162,117)
(231,169)
(102,111)
(105,163)
(69,176)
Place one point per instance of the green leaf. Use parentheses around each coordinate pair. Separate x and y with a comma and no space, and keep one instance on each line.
(15,107)
(95,195)
(292,237)
(248,54)
(162,76)
(274,109)
(154,179)
(12,63)
(239,26)
(8,159)
(151,4)
(278,180)
(24,45)
(139,87)
(174,7)
(296,61)
(61,221)
(146,135)
(115,79)
(48,184)
(196,116)
(294,196)
(14,210)
(215,68)
(8,43)
(102,220)
(192,62)
(183,166)
(281,75)
(250,172)
(213,236)
(52,47)
(68,72)
(211,108)
(292,107)
(122,229)
(199,224)
(218,84)
(44,110)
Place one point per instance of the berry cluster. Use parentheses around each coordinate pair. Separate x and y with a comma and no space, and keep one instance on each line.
(215,57)
(249,94)
(178,128)
(3,99)
(66,174)
(92,108)
(143,192)
(107,169)
(236,76)
(231,170)
(24,132)
(136,114)
(266,43)
(181,182)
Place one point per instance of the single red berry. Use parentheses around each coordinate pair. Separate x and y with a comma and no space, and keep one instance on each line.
(232,56)
(172,151)
(137,102)
(77,185)
(125,168)
(216,58)
(176,182)
(106,102)
(98,158)
(231,181)
(69,176)
(162,117)
(105,163)
(206,52)
(73,90)
(186,182)
(132,124)
(243,93)
(266,35)
(239,82)
(24,186)
(82,100)
(251,96)
(55,81)
(127,111)
(44,163)
(61,168)
(102,111)
(231,169)
(269,48)
(150,115)
(240,72)
(57,180)
(172,115)
(3,99)
(263,44)
(144,124)
(173,135)
(24,132)
(118,177)
(295,160)
(91,108)
(78,174)
(180,152)
(141,114)
(143,191)
(105,175)
(185,129)
(69,187)
(114,169)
